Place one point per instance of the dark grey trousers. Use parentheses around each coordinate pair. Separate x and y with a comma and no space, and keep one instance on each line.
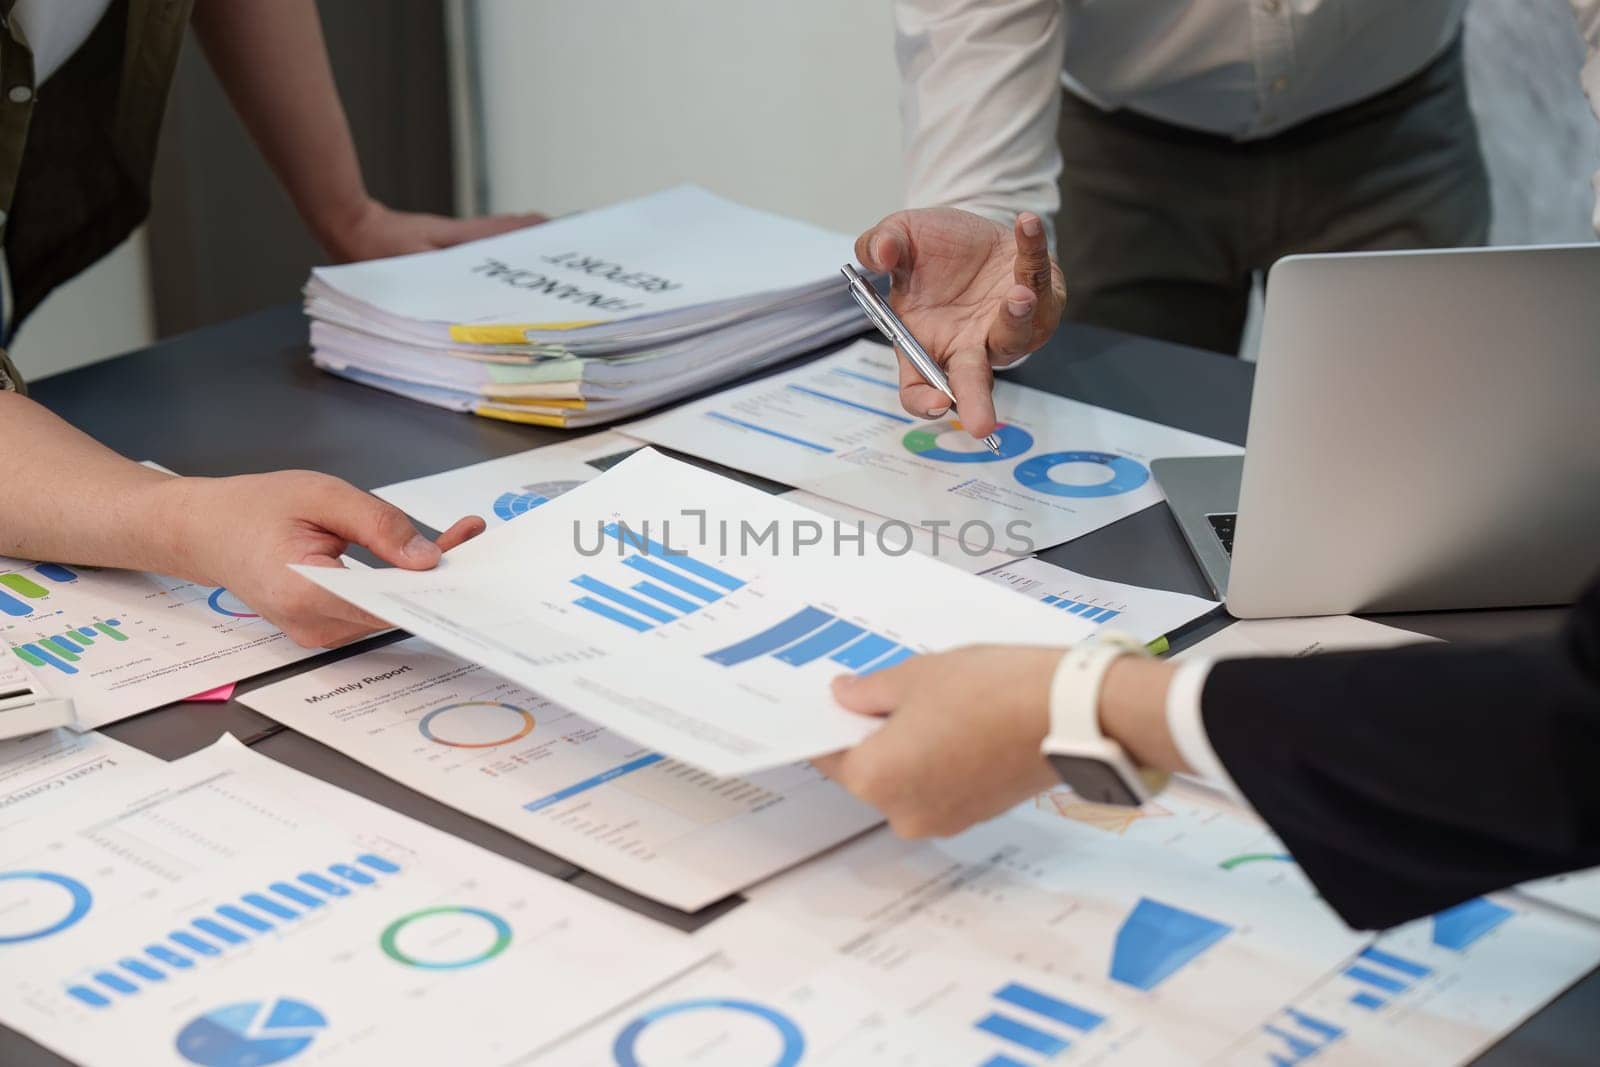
(1162,229)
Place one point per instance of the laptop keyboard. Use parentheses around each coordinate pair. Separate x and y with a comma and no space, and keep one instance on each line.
(1222,526)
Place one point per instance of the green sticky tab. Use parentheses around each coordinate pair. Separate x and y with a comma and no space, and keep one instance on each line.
(1159,646)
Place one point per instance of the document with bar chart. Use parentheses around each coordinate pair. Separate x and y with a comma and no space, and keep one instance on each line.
(1005,946)
(121,642)
(1437,991)
(692,614)
(225,911)
(502,489)
(1145,613)
(835,428)
(659,827)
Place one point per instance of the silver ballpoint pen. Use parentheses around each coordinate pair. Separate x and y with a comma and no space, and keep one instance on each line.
(889,324)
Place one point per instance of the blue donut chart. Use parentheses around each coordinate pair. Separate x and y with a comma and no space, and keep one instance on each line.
(625,1050)
(225,603)
(924,442)
(82,900)
(1126,474)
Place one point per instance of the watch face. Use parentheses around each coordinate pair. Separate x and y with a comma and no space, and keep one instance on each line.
(1094,780)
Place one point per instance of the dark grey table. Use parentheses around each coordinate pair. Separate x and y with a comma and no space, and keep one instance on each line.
(242,397)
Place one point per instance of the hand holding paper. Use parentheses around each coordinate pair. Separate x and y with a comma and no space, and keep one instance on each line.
(696,615)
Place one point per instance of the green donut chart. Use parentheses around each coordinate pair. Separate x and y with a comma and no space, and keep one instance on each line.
(389,941)
(924,442)
(1125,475)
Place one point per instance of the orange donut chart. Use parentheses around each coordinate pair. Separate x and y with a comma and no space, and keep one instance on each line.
(425,726)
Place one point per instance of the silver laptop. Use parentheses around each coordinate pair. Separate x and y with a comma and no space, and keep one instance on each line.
(1424,434)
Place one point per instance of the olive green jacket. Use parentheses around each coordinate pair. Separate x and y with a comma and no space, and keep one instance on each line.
(76,157)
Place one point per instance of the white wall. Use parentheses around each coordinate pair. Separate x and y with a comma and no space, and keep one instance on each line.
(785,106)
(104,311)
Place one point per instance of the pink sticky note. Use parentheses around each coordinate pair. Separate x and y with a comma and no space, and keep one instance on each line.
(220,695)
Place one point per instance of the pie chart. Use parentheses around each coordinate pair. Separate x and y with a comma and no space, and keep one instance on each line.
(225,603)
(947,442)
(519,502)
(1082,474)
(252,1033)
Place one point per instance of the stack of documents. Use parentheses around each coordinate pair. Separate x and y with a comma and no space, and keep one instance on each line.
(590,317)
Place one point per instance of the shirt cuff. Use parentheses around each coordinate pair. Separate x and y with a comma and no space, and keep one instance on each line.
(1188,728)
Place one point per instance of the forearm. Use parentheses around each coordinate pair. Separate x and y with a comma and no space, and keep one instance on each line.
(67,498)
(980,96)
(1410,779)
(273,63)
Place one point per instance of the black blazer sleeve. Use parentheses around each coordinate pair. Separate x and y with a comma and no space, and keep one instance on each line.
(1408,780)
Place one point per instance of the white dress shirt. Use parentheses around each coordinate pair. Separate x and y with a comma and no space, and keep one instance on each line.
(981,79)
(54,29)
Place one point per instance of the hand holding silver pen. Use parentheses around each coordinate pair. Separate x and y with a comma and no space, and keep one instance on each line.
(889,324)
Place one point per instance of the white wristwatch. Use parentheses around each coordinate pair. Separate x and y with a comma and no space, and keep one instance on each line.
(1096,767)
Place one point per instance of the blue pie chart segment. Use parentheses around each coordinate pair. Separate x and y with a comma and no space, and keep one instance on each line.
(792,1044)
(73,893)
(1123,475)
(252,1033)
(924,441)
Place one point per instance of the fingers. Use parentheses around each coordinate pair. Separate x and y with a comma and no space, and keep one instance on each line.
(463,531)
(878,693)
(1032,269)
(329,619)
(917,396)
(886,248)
(1012,331)
(452,231)
(972,380)
(378,526)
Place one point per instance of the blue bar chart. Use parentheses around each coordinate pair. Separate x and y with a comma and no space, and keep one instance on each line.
(1297,1036)
(1378,976)
(1460,926)
(670,584)
(1156,940)
(1032,1021)
(810,635)
(1092,612)
(256,914)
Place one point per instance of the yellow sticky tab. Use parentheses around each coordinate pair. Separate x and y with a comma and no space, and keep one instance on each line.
(567,403)
(489,335)
(528,418)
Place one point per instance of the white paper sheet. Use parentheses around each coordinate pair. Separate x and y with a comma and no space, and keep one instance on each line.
(900,537)
(675,249)
(53,768)
(225,910)
(835,427)
(458,734)
(728,665)
(1578,892)
(504,488)
(1145,613)
(1009,940)
(121,642)
(1432,993)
